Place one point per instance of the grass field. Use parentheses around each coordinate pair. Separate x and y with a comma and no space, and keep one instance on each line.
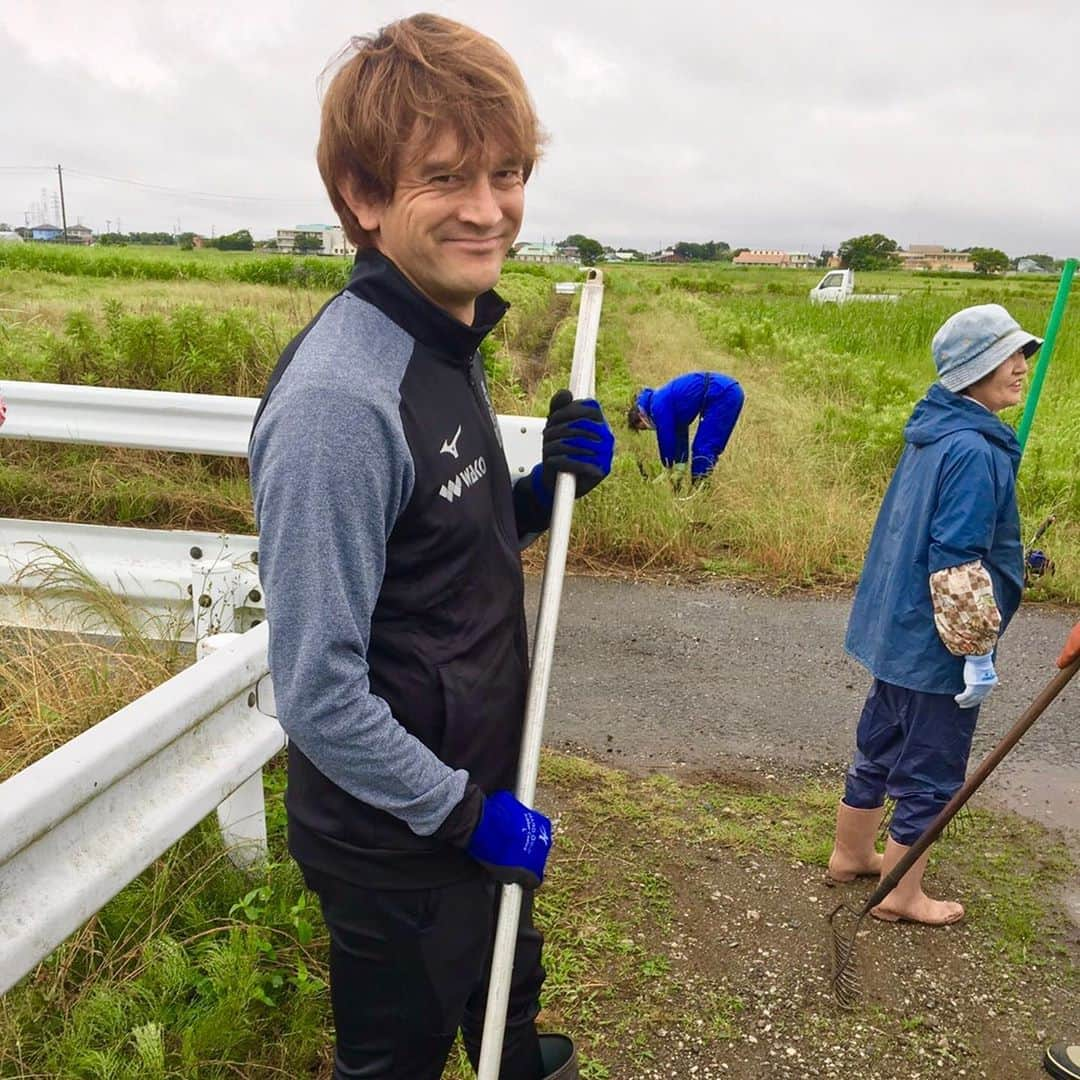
(683,917)
(680,911)
(790,504)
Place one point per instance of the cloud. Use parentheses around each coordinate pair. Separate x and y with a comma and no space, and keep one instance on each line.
(763,125)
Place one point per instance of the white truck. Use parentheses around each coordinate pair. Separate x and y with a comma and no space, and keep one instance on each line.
(838,287)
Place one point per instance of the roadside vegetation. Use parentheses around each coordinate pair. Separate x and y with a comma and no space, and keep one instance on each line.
(684,913)
(684,918)
(790,504)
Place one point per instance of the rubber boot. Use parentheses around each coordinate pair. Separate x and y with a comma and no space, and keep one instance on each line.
(1063,1061)
(908,901)
(854,854)
(559,1057)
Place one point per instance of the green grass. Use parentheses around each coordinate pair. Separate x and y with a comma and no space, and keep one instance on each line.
(790,504)
(171,264)
(198,971)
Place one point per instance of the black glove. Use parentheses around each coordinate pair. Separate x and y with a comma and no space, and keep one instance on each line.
(577,440)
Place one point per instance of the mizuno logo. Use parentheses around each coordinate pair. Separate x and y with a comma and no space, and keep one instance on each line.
(468,476)
(449,446)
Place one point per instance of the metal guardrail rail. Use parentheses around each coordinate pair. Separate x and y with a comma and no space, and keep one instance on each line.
(81,823)
(161,575)
(174,582)
(181,423)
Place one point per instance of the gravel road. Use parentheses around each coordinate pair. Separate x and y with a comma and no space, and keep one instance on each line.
(657,675)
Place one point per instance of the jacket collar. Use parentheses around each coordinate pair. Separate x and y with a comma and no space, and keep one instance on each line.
(942,412)
(378,281)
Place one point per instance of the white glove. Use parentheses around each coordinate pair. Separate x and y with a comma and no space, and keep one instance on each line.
(979,679)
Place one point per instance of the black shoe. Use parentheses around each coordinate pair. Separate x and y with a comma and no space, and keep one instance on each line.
(560,1058)
(1063,1061)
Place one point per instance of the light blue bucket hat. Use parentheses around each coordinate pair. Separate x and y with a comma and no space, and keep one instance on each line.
(973,342)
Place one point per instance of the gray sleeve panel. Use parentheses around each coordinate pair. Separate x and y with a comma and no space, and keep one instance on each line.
(331,472)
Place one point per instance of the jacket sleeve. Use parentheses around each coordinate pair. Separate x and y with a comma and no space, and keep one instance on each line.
(331,474)
(672,443)
(964,517)
(961,536)
(965,613)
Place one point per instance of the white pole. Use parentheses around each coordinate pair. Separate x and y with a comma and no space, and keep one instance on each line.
(582,381)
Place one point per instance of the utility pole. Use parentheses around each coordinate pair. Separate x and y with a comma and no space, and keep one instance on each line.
(63,209)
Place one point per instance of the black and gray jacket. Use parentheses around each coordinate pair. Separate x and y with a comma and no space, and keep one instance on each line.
(389,554)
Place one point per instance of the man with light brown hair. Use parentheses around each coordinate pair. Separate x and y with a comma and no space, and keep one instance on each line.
(389,551)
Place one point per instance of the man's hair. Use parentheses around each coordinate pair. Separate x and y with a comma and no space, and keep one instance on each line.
(633,418)
(417,78)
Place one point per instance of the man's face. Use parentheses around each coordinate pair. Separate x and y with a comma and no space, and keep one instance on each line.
(1004,386)
(448,227)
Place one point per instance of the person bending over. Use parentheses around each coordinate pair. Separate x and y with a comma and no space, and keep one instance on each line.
(669,410)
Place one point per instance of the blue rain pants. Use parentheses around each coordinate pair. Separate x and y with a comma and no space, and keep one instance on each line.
(719,413)
(914,747)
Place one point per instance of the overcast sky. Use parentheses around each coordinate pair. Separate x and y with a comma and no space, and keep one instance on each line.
(770,125)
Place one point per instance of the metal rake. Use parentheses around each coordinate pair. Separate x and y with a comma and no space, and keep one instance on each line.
(845,921)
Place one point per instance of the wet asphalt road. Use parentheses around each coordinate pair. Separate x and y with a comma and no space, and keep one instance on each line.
(658,675)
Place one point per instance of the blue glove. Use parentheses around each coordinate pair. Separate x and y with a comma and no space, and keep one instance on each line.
(577,440)
(511,841)
(979,679)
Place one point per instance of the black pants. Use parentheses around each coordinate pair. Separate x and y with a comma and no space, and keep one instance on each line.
(409,967)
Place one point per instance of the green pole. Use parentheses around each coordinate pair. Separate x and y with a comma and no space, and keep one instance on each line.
(1046,351)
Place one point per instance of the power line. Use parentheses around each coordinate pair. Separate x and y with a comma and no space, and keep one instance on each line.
(186,191)
(147,186)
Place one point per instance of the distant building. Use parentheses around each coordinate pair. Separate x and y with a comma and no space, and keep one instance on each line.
(801,260)
(530,251)
(623,256)
(762,258)
(335,242)
(45,232)
(934,257)
(10,237)
(668,255)
(1025,266)
(330,238)
(80,234)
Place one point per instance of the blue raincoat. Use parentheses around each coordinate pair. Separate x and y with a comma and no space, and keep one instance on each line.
(952,500)
(673,407)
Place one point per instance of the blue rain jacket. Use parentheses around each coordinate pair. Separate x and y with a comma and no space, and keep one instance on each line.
(673,407)
(952,500)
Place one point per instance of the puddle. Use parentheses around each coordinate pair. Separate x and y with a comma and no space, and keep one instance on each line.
(1050,795)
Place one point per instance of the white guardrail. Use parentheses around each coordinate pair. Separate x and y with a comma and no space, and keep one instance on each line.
(81,823)
(177,583)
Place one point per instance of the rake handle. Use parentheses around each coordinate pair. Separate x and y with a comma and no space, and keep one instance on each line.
(582,382)
(971,785)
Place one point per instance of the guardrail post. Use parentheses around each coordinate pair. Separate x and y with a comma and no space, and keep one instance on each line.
(242,816)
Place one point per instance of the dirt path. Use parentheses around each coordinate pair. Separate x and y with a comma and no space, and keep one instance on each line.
(661,675)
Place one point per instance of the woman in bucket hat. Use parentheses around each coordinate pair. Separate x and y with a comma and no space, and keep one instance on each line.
(942,578)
